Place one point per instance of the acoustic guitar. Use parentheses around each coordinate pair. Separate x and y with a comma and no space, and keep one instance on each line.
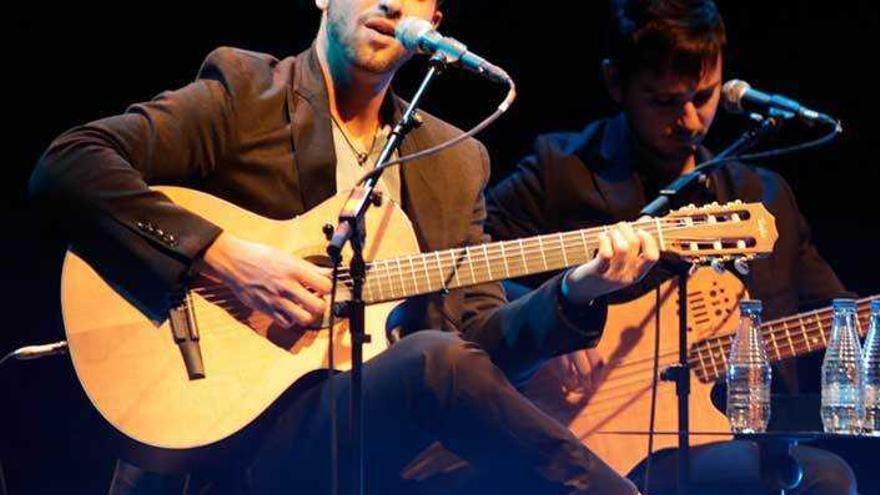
(186,383)
(613,416)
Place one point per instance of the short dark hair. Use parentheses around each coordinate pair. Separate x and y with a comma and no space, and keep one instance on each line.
(681,36)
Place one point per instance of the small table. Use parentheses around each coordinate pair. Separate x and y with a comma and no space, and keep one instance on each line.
(780,470)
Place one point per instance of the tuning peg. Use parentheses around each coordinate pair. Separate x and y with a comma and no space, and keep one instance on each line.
(717,266)
(742,266)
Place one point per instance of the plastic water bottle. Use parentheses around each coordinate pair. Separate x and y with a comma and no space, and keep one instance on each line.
(871,372)
(842,406)
(748,374)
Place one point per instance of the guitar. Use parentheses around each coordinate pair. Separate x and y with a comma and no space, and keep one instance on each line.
(137,372)
(619,402)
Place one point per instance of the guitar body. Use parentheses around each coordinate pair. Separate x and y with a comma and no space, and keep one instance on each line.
(620,399)
(134,374)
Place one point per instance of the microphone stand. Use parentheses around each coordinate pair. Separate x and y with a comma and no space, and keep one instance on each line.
(669,197)
(351,229)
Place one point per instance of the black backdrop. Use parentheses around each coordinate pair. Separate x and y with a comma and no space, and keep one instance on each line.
(70,66)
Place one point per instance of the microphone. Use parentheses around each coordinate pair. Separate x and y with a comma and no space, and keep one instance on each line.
(739,97)
(38,351)
(419,35)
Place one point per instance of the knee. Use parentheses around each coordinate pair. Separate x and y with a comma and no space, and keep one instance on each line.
(443,350)
(449,364)
(447,353)
(825,472)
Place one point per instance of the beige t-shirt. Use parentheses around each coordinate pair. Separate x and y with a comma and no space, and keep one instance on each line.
(348,170)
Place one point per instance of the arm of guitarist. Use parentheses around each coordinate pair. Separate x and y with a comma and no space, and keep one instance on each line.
(277,283)
(563,314)
(93,181)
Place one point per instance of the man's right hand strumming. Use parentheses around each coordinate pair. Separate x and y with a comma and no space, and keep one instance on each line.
(284,286)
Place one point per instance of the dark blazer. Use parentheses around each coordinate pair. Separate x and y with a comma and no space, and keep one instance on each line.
(256,131)
(577,180)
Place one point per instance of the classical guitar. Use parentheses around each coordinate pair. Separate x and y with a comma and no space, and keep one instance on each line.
(618,405)
(214,366)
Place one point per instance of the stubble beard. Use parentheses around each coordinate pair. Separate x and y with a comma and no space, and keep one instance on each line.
(342,33)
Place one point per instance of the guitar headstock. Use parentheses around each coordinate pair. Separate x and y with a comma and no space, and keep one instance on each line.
(735,230)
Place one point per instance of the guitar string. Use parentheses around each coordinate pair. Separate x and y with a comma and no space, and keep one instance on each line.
(467,254)
(545,244)
(715,370)
(428,264)
(810,324)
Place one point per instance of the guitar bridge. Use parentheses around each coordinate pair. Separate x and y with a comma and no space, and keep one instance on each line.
(186,335)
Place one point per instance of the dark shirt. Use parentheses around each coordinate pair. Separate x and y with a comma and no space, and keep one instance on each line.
(595,177)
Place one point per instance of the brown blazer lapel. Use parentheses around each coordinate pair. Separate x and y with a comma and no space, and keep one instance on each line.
(315,157)
(314,154)
(423,200)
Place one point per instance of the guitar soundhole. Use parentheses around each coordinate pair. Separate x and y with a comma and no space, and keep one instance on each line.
(224,298)
(343,292)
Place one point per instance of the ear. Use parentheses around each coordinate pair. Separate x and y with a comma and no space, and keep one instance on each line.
(437,18)
(322,4)
(613,84)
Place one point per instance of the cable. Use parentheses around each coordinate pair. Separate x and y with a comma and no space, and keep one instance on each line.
(838,129)
(7,357)
(508,100)
(3,490)
(23,354)
(29,352)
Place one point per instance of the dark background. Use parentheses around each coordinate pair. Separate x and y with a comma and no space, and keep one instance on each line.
(71,66)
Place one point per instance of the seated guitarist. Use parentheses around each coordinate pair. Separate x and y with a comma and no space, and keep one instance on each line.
(278,137)
(664,70)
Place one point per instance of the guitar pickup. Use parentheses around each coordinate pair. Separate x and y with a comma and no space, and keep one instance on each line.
(186,335)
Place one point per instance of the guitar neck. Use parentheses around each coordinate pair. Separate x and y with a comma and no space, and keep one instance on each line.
(783,338)
(399,278)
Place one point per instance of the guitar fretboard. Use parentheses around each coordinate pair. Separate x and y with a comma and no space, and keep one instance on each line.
(402,277)
(783,338)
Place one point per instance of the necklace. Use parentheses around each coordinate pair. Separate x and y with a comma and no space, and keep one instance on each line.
(360,156)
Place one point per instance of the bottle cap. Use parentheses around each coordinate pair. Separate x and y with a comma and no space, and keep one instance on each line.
(750,307)
(844,304)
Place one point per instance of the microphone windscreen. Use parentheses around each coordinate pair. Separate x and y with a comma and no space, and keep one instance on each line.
(410,31)
(732,93)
